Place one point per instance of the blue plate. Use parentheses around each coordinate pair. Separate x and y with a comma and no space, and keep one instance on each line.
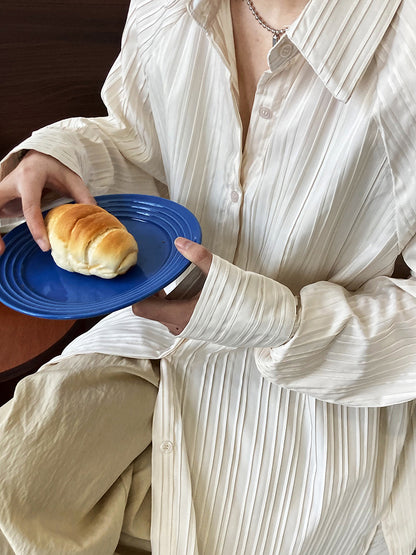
(32,283)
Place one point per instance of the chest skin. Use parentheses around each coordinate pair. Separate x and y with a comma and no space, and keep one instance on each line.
(252,44)
(295,198)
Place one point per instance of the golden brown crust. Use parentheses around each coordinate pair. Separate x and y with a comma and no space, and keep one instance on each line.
(87,239)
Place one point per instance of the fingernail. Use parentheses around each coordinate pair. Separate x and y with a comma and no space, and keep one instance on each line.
(43,244)
(181,243)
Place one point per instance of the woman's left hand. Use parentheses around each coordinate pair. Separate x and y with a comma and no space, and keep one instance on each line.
(175,313)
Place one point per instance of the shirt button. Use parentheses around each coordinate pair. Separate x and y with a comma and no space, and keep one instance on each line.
(286,50)
(235,197)
(166,447)
(265,112)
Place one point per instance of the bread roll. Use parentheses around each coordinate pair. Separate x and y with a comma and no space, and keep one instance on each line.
(89,240)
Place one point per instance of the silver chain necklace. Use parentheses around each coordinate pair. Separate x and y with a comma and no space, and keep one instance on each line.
(277,33)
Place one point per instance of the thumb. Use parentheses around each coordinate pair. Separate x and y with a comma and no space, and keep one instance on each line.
(195,253)
(78,189)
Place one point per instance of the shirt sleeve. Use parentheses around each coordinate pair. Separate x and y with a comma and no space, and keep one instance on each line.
(356,348)
(117,152)
(353,348)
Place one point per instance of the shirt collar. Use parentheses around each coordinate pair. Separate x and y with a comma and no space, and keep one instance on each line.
(204,10)
(337,38)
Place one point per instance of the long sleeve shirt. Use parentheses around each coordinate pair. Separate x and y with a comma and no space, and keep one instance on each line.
(286,408)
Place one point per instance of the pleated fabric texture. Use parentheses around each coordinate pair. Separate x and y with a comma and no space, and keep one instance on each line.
(285,416)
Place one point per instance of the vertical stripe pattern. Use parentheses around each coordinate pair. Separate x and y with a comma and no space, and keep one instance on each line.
(285,417)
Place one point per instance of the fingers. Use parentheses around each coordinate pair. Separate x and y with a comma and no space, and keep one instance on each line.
(28,181)
(174,314)
(34,219)
(77,189)
(195,253)
(153,308)
(26,185)
(61,178)
(8,194)
(71,185)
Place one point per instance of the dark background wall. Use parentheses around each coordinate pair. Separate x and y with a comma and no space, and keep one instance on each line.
(54,57)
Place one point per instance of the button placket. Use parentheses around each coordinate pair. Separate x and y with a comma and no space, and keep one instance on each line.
(166,447)
(286,50)
(235,196)
(265,112)
(266,107)
(280,55)
(262,113)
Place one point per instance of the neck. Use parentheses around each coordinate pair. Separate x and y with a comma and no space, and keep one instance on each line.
(280,13)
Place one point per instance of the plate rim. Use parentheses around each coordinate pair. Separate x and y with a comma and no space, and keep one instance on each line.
(61,310)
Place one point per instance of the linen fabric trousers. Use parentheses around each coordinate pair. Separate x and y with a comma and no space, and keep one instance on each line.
(75,458)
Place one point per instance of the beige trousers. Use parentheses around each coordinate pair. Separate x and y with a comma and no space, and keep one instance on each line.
(75,458)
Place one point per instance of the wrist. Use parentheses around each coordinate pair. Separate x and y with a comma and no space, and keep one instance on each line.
(238,308)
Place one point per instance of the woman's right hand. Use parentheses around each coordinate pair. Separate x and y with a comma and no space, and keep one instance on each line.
(22,189)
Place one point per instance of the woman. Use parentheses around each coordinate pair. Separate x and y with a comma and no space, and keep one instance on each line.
(282,384)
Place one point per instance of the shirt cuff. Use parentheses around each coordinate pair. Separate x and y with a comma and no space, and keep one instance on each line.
(12,159)
(7,165)
(51,140)
(238,308)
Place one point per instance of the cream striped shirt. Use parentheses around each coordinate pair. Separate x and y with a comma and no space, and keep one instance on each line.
(284,417)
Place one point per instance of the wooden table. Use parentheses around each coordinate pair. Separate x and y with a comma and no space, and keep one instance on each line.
(54,60)
(27,342)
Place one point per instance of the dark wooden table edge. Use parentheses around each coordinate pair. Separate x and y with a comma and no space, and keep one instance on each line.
(9,378)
